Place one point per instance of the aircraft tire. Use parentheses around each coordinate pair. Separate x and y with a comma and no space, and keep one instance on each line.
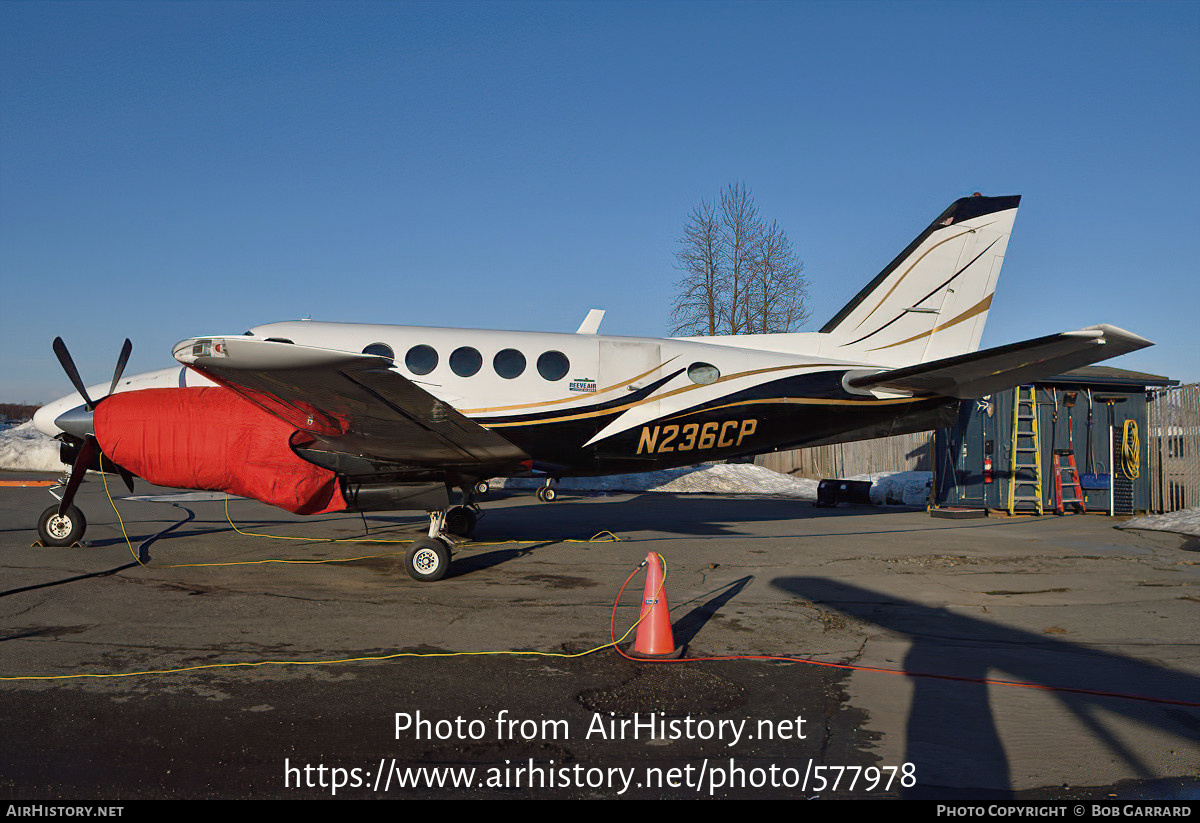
(547,494)
(61,530)
(427,560)
(482,488)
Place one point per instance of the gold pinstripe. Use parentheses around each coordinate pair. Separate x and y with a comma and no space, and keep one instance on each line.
(654,398)
(980,307)
(908,271)
(544,403)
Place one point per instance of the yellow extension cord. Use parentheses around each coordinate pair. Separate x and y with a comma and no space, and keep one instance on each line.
(1130,450)
(612,538)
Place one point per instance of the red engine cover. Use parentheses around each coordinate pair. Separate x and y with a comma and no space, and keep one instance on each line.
(210,438)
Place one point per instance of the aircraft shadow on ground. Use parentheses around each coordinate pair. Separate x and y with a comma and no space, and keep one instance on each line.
(953,717)
(696,516)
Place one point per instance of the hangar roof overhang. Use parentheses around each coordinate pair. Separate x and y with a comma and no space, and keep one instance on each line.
(1108,376)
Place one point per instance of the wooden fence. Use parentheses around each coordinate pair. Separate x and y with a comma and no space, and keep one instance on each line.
(901,452)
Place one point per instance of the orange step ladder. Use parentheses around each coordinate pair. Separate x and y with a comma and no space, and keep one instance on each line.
(1066,477)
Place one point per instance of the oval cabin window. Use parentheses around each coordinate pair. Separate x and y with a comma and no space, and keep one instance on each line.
(509,363)
(703,373)
(465,361)
(553,365)
(421,359)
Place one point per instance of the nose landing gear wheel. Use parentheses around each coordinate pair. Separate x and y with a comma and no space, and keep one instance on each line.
(428,559)
(547,494)
(56,529)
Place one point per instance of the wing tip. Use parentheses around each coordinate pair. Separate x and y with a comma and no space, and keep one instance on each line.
(1109,334)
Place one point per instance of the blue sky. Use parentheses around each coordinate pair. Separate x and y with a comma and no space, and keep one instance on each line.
(174,169)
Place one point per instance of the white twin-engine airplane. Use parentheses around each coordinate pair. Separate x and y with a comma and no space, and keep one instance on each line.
(320,417)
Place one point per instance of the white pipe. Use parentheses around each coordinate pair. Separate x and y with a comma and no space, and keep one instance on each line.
(1112,476)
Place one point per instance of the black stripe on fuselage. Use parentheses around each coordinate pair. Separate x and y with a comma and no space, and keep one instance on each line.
(785,413)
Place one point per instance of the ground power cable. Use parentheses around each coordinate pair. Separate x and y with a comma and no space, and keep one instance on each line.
(614,643)
(139,553)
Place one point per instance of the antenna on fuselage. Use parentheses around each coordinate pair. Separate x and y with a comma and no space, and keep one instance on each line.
(591,323)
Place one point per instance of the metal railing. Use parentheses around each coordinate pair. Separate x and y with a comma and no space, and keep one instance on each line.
(1173,441)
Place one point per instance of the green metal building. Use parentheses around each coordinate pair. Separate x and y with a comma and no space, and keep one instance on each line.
(1098,414)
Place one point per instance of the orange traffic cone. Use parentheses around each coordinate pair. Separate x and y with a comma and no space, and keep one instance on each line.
(654,638)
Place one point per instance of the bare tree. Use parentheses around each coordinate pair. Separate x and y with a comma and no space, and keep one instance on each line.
(777,300)
(741,232)
(697,309)
(740,276)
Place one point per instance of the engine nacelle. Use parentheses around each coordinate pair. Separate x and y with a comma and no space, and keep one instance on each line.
(210,438)
(378,497)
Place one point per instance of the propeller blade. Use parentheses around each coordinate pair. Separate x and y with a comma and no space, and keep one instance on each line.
(64,359)
(86,453)
(122,359)
(127,476)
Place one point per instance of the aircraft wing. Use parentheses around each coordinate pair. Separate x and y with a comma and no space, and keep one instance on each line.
(350,405)
(990,370)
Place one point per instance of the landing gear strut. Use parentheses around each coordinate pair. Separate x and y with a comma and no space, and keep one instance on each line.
(428,558)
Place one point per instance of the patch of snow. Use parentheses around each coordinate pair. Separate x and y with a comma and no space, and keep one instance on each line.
(1185,521)
(24,448)
(721,478)
(898,488)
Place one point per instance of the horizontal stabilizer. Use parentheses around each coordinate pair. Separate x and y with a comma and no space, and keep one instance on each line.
(991,370)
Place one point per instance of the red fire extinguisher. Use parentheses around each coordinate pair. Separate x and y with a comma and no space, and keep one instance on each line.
(988,477)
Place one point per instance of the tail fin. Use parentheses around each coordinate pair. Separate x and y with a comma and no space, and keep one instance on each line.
(930,302)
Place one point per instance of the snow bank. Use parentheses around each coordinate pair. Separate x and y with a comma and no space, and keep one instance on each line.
(898,488)
(887,488)
(733,478)
(24,448)
(1186,521)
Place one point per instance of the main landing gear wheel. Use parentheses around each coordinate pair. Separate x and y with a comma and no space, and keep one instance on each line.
(428,559)
(460,521)
(56,529)
(547,494)
(482,488)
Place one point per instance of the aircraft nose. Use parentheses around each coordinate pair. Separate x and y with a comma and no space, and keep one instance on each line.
(43,419)
(76,421)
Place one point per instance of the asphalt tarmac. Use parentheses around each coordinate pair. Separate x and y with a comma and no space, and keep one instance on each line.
(1023,658)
